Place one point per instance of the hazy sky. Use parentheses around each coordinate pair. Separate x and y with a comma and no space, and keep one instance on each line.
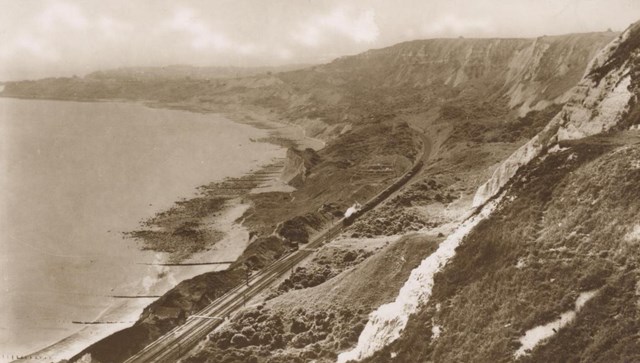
(41,38)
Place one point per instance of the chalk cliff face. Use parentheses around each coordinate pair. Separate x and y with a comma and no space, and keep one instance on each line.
(595,105)
(387,323)
(524,69)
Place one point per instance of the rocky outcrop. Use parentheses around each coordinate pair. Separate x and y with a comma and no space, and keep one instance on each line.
(596,104)
(298,165)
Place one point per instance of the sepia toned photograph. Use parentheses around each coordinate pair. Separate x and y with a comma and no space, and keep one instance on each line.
(319,181)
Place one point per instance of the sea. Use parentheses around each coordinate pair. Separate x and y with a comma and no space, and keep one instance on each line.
(73,177)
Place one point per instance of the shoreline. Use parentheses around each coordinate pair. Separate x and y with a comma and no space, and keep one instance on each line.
(77,341)
(129,310)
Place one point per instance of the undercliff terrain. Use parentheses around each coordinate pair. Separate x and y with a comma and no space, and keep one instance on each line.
(476,250)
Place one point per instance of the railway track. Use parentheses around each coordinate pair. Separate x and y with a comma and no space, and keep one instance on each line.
(174,344)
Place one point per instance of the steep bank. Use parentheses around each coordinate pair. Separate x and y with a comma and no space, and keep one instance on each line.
(469,320)
(526,264)
(298,166)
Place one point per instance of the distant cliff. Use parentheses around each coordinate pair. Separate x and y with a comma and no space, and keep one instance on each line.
(463,77)
(524,73)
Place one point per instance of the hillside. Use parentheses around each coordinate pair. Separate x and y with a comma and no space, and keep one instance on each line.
(549,272)
(529,261)
(314,322)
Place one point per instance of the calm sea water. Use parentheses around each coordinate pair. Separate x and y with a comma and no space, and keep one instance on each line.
(73,176)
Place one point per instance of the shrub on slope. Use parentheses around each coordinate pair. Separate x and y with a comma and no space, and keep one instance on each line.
(315,323)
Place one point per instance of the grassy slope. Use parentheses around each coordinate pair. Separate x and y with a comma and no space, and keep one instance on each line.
(374,282)
(566,219)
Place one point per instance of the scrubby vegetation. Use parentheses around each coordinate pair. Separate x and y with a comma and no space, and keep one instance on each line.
(334,183)
(397,215)
(527,126)
(426,191)
(328,262)
(315,323)
(566,226)
(263,335)
(488,129)
(297,228)
(389,221)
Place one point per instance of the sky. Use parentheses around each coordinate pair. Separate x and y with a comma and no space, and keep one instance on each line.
(46,38)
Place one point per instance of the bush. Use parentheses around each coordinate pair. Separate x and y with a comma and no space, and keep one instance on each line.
(300,340)
(248,332)
(223,339)
(298,326)
(265,338)
(239,341)
(277,342)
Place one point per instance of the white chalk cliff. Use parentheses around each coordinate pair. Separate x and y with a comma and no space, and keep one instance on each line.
(593,107)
